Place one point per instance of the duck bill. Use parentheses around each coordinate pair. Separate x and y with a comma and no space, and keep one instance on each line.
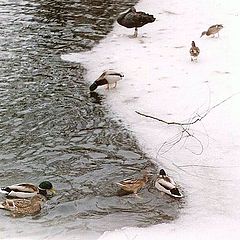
(53,191)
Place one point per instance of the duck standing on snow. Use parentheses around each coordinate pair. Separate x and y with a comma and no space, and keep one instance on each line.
(134,19)
(167,185)
(194,52)
(108,77)
(28,190)
(133,185)
(213,30)
(23,206)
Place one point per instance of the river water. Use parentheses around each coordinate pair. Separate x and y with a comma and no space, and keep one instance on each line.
(52,128)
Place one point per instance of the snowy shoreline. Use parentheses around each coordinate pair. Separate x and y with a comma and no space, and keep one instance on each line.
(160,80)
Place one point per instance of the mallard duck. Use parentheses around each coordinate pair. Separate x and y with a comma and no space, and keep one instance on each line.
(213,30)
(167,185)
(133,185)
(23,206)
(134,19)
(194,52)
(108,77)
(27,190)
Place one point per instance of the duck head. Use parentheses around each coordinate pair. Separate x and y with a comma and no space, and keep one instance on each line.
(203,33)
(46,188)
(162,172)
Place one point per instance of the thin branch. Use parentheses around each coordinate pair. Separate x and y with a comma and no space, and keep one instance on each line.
(199,117)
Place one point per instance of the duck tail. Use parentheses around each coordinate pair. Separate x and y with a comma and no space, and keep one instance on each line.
(93,86)
(149,18)
(175,191)
(119,184)
(1,205)
(5,190)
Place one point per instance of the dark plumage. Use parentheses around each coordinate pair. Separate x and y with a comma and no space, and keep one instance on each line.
(213,30)
(108,77)
(194,52)
(134,19)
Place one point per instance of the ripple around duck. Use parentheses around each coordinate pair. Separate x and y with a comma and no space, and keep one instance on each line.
(52,128)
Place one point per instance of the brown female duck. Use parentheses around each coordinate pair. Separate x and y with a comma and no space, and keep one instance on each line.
(194,52)
(23,206)
(133,185)
(213,30)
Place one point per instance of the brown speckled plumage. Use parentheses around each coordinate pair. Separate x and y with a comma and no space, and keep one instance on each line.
(194,51)
(133,185)
(23,206)
(213,30)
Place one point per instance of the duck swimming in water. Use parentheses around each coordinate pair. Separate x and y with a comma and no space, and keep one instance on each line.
(108,77)
(167,185)
(194,52)
(28,190)
(23,206)
(133,185)
(134,19)
(213,30)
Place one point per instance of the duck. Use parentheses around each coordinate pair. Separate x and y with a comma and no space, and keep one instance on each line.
(23,206)
(133,185)
(108,77)
(194,52)
(28,190)
(134,19)
(166,184)
(213,30)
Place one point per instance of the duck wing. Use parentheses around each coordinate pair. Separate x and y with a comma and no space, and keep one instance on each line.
(13,204)
(135,19)
(166,182)
(127,181)
(22,187)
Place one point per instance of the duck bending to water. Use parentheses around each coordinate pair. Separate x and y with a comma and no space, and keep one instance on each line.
(194,52)
(167,185)
(213,30)
(133,185)
(28,190)
(23,206)
(134,19)
(108,77)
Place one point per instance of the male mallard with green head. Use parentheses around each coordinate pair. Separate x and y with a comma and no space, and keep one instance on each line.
(133,185)
(167,185)
(213,30)
(27,190)
(23,206)
(194,52)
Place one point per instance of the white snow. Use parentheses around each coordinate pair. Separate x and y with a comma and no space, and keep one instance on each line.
(161,81)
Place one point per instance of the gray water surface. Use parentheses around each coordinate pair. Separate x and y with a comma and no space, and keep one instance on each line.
(52,128)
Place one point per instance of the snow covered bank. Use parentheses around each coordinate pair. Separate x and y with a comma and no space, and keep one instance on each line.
(160,80)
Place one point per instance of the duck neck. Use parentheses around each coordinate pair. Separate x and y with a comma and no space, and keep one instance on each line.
(42,192)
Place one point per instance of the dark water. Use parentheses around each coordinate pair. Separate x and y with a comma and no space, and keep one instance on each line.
(51,128)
